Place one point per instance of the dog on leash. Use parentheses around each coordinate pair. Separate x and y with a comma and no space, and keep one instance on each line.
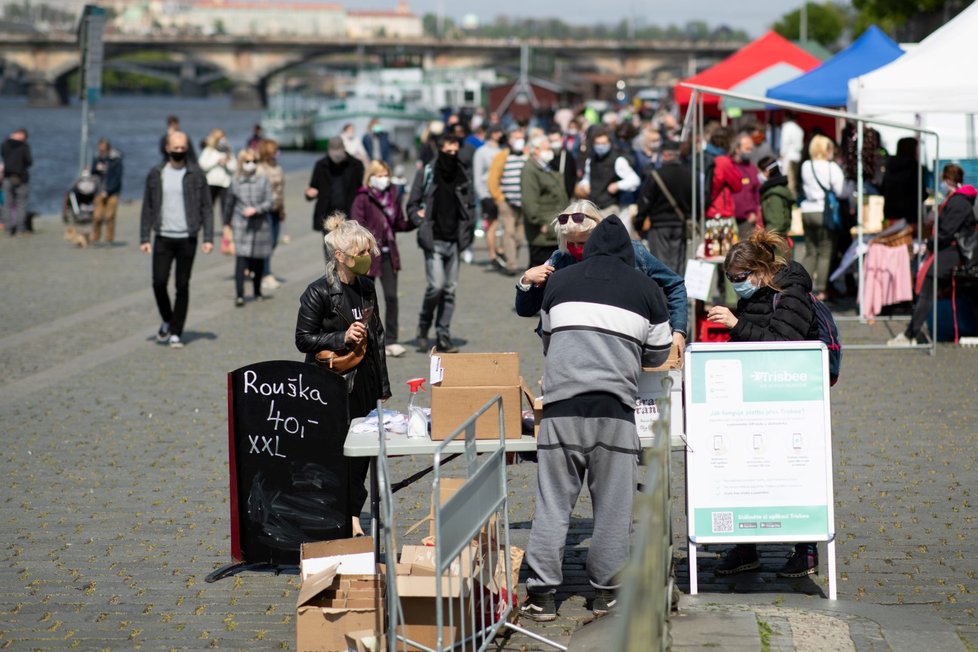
(76,237)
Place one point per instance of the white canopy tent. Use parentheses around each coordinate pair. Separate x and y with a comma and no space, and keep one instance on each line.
(934,77)
(931,82)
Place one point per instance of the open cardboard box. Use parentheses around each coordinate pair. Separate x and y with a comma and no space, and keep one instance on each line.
(331,603)
(461,383)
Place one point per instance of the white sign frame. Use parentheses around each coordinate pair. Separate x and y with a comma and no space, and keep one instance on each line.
(757,393)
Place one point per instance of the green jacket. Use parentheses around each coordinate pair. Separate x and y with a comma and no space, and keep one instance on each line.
(776,203)
(543,197)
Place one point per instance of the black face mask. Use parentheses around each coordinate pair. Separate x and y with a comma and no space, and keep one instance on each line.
(177,157)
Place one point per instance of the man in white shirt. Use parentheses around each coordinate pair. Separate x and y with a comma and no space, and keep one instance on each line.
(792,144)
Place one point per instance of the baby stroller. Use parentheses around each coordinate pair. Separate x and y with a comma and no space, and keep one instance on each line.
(79,209)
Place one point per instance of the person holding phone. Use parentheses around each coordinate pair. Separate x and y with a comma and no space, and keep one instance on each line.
(337,312)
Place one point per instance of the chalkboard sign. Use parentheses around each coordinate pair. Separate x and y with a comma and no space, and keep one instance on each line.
(286,425)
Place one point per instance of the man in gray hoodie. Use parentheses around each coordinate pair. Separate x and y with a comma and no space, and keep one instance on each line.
(602,321)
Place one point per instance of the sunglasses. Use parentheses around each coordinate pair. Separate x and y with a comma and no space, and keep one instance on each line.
(577,217)
(739,278)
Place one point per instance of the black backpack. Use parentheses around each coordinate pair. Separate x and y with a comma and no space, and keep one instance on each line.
(828,333)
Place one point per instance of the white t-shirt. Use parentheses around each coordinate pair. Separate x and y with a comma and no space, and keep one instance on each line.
(792,142)
(829,174)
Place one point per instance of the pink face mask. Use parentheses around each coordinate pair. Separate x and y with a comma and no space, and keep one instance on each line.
(575,250)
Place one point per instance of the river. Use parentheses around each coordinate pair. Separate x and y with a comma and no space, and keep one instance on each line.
(134,125)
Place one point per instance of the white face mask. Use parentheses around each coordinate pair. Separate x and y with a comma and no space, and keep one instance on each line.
(380,183)
(249,166)
(546,156)
(518,145)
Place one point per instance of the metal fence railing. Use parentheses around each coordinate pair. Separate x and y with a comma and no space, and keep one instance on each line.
(474,586)
(645,596)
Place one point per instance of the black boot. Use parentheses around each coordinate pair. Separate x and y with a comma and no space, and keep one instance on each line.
(422,339)
(444,345)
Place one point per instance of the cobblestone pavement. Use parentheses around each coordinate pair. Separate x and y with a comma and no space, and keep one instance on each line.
(115,505)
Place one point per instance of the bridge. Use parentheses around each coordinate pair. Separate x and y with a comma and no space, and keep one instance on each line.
(47,60)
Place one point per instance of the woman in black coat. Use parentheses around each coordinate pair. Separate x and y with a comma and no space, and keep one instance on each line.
(955,219)
(338,312)
(775,306)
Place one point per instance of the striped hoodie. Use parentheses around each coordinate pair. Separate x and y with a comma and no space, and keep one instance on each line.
(602,321)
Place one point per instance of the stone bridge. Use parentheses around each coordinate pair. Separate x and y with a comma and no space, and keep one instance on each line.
(47,60)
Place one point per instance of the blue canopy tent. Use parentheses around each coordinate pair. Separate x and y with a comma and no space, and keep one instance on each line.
(828,84)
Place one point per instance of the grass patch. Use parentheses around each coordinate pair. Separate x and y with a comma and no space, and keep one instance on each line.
(766,632)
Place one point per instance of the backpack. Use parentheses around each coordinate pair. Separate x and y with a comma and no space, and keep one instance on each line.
(830,206)
(828,333)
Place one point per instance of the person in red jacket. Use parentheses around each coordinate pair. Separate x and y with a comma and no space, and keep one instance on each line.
(377,208)
(724,178)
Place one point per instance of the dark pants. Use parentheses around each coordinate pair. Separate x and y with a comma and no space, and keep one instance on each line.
(257,267)
(540,255)
(668,244)
(218,195)
(165,252)
(275,220)
(388,281)
(947,261)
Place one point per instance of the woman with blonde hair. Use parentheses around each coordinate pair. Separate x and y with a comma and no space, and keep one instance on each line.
(376,208)
(218,164)
(269,167)
(338,313)
(248,201)
(775,306)
(819,175)
(573,228)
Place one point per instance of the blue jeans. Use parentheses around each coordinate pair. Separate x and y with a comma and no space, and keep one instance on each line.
(15,205)
(441,273)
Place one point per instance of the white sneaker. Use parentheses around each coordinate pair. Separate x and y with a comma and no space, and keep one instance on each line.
(394,350)
(269,282)
(467,256)
(901,340)
(175,342)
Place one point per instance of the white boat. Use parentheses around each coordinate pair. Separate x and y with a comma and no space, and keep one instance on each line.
(401,120)
(288,120)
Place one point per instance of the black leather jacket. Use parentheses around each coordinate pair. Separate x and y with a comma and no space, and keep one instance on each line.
(325,315)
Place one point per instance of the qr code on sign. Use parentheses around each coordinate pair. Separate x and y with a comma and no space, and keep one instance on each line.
(723,522)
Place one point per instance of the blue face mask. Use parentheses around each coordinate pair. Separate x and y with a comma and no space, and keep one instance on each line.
(745,289)
(602,150)
(946,188)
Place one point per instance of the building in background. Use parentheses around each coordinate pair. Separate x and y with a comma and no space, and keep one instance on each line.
(380,23)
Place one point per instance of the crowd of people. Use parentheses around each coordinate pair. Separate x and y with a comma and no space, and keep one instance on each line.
(590,217)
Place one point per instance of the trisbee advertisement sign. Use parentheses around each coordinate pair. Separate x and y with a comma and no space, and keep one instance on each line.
(759,455)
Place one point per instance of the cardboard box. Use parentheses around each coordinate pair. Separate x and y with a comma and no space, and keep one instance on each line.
(451,406)
(330,604)
(475,369)
(464,382)
(674,361)
(417,590)
(365,641)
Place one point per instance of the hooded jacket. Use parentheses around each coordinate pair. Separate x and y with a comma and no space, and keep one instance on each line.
(602,321)
(758,320)
(957,212)
(776,202)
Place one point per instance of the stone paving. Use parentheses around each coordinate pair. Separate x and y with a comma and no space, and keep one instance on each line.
(115,505)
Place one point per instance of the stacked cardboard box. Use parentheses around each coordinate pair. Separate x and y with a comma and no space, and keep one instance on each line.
(332,601)
(462,383)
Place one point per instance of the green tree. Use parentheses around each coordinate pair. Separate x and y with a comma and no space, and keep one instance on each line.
(825,23)
(910,20)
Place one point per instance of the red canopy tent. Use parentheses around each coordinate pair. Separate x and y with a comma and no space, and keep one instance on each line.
(749,60)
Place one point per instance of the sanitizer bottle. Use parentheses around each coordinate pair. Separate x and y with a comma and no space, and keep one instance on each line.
(417,421)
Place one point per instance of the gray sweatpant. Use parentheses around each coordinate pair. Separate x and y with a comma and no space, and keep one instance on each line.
(608,450)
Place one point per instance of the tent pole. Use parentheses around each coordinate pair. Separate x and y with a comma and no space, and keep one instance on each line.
(937,225)
(859,220)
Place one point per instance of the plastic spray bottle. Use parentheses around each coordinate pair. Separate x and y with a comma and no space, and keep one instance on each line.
(417,421)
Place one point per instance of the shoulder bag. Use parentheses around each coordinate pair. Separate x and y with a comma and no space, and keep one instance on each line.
(830,208)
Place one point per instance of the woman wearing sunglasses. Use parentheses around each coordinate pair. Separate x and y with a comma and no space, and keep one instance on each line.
(573,227)
(775,306)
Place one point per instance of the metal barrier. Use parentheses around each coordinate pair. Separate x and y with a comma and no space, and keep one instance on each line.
(475,596)
(645,596)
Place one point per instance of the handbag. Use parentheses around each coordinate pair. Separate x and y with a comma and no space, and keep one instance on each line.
(830,208)
(967,240)
(342,362)
(227,241)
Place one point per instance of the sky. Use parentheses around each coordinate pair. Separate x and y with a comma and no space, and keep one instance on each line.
(753,16)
